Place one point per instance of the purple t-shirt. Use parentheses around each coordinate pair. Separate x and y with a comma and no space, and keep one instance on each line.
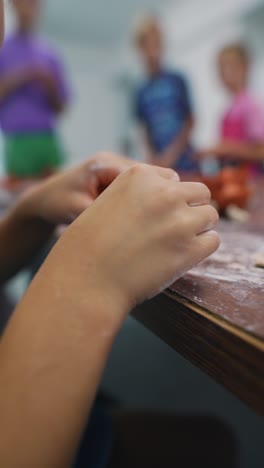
(27,109)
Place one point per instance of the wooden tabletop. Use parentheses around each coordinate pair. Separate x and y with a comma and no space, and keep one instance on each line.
(214,316)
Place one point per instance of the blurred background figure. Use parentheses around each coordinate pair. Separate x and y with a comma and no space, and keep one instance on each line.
(242,127)
(33,94)
(163,105)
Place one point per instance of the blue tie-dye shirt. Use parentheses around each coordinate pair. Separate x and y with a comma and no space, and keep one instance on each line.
(163,105)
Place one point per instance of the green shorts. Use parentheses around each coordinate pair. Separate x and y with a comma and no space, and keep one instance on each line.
(32,155)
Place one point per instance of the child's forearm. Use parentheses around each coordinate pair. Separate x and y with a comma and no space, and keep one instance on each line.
(20,239)
(241,151)
(56,345)
(12,82)
(149,151)
(55,100)
(57,200)
(178,146)
(51,359)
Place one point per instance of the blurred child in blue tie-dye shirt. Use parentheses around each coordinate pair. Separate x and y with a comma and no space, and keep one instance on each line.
(163,104)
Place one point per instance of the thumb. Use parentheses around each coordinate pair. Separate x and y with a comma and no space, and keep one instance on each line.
(105,176)
(79,203)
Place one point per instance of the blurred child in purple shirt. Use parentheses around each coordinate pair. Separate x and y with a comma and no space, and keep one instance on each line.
(33,94)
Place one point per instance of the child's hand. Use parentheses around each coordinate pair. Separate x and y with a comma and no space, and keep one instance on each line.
(205,153)
(45,79)
(64,196)
(219,150)
(144,232)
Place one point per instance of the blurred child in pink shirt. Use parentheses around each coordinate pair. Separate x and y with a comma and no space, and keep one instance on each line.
(242,127)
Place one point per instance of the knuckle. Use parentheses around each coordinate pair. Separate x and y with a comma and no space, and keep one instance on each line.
(185,222)
(137,170)
(159,199)
(207,192)
(170,173)
(169,196)
(164,191)
(217,240)
(178,191)
(212,242)
(165,196)
(213,214)
(176,174)
(204,190)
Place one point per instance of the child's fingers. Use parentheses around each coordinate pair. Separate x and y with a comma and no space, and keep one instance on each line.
(167,173)
(78,203)
(146,171)
(205,218)
(206,244)
(195,193)
(106,160)
(113,159)
(105,176)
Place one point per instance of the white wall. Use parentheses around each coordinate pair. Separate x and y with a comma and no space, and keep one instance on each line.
(91,124)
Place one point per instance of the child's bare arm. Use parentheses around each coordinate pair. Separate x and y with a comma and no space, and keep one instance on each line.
(10,83)
(13,81)
(50,86)
(236,150)
(148,149)
(20,239)
(140,235)
(25,228)
(177,147)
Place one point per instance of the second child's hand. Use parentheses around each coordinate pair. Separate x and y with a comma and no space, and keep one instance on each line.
(56,200)
(45,79)
(64,196)
(49,85)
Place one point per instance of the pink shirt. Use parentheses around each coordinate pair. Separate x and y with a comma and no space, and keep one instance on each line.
(244,122)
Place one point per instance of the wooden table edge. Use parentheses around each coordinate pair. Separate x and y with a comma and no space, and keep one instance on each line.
(232,357)
(220,321)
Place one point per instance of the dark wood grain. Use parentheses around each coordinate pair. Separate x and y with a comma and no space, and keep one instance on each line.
(233,358)
(214,316)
